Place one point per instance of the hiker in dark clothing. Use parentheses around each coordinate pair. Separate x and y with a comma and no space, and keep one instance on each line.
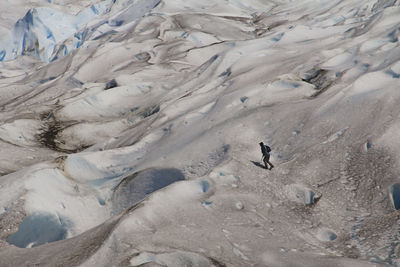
(265,150)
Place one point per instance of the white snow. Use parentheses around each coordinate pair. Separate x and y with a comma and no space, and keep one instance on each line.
(20,132)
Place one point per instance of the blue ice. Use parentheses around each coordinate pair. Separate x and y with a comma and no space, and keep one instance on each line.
(204,186)
(39,228)
(395,195)
(3,54)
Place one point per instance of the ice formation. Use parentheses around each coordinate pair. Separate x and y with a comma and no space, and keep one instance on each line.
(129,132)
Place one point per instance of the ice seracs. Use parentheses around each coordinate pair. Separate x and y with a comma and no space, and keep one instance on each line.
(42,29)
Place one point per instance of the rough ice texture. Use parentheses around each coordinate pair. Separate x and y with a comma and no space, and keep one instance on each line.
(162,167)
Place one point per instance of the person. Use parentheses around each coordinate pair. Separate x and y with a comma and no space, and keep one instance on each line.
(265,150)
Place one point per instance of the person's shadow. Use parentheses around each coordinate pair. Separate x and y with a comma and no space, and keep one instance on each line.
(258,164)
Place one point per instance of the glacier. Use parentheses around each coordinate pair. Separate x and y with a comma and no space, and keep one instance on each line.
(42,31)
(129,133)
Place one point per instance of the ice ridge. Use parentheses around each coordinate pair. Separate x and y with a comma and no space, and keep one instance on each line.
(41,29)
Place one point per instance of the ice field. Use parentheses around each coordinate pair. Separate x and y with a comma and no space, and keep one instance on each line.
(130,130)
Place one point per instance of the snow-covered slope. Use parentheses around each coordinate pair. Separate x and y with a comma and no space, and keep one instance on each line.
(130,129)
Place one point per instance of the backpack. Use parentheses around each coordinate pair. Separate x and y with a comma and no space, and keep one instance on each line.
(265,150)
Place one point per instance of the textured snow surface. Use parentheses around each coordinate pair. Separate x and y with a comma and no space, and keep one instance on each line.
(129,133)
